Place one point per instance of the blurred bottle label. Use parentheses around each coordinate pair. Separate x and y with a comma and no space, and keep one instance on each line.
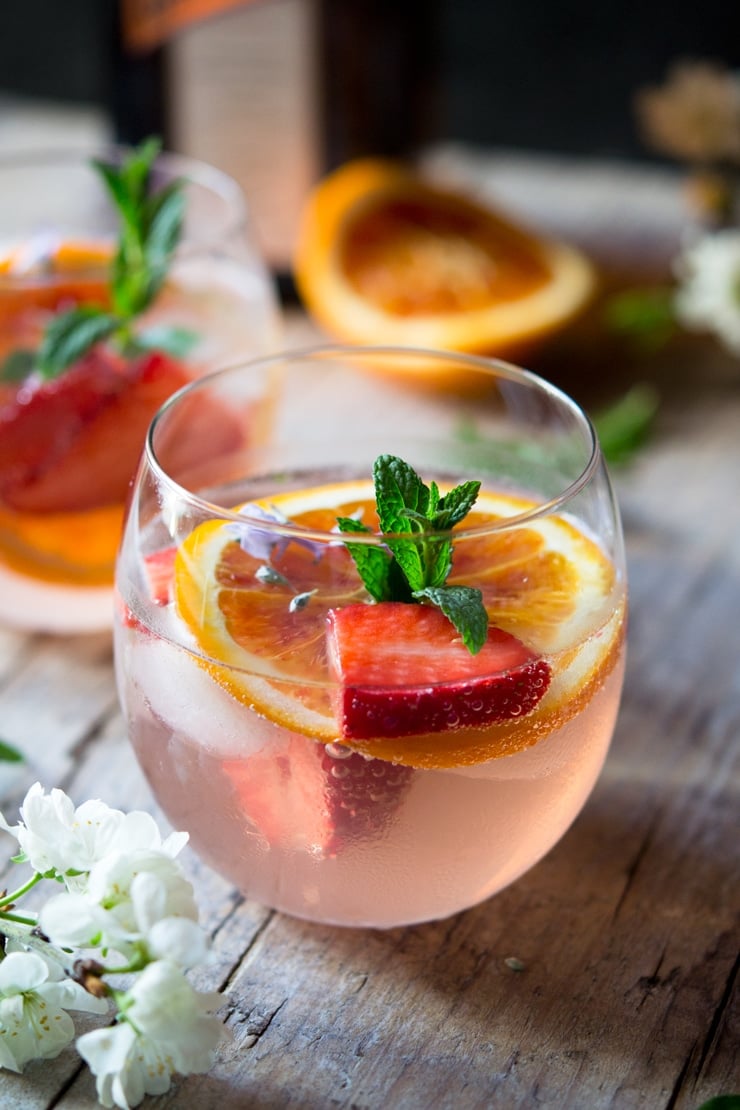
(149,23)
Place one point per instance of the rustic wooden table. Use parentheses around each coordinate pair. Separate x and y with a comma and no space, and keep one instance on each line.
(626,993)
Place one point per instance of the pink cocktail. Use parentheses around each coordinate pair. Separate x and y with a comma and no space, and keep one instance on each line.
(122,278)
(312,695)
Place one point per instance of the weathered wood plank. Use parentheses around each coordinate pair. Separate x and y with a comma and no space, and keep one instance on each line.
(59,693)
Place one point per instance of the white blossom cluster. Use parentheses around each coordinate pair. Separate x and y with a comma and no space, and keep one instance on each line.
(708,297)
(127,910)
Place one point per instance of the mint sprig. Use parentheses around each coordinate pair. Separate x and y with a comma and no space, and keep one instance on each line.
(150,229)
(415,569)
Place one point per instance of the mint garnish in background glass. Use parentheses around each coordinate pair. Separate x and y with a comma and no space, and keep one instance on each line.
(150,230)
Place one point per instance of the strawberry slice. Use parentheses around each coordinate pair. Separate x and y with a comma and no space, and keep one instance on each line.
(159,567)
(308,797)
(159,570)
(77,440)
(40,422)
(403,671)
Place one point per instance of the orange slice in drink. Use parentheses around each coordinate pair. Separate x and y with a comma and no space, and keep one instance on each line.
(384,257)
(542,579)
(72,273)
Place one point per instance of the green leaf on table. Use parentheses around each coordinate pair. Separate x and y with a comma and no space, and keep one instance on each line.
(9,754)
(624,426)
(646,315)
(721,1102)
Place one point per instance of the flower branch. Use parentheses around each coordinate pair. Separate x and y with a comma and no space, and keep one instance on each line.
(126,910)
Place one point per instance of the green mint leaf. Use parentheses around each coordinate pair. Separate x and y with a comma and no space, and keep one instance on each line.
(137,167)
(123,201)
(416,521)
(722,1102)
(398,491)
(434,501)
(164,214)
(177,342)
(647,316)
(9,754)
(437,560)
(17,365)
(408,555)
(151,226)
(455,505)
(130,282)
(402,501)
(373,563)
(67,337)
(398,584)
(463,607)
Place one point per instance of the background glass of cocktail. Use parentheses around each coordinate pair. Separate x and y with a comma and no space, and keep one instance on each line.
(337,759)
(69,446)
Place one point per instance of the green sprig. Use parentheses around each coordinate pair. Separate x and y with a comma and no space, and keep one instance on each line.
(417,557)
(150,229)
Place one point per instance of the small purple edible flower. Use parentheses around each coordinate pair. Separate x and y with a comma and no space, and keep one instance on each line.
(261,543)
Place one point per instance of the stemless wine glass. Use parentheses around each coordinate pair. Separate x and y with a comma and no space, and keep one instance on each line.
(336,751)
(69,445)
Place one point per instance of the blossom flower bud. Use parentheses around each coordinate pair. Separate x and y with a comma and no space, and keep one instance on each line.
(165,1027)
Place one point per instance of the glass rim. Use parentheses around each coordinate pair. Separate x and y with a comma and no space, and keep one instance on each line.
(192,170)
(493,367)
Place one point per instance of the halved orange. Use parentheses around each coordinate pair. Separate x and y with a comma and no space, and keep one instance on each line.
(544,581)
(384,257)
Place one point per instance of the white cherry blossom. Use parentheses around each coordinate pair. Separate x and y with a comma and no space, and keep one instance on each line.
(126,896)
(708,297)
(128,900)
(34,999)
(56,835)
(165,1027)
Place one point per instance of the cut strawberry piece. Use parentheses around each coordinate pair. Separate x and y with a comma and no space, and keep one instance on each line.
(361,795)
(160,572)
(42,420)
(404,671)
(82,453)
(309,797)
(159,568)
